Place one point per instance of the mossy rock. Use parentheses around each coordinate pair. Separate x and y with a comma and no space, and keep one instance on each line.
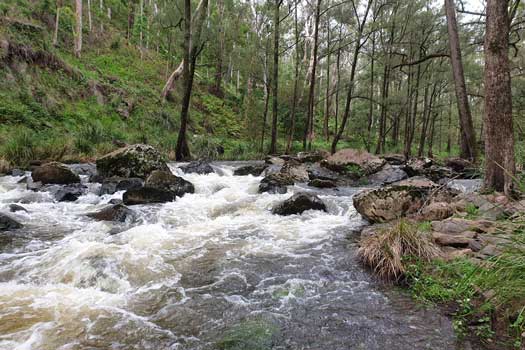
(250,335)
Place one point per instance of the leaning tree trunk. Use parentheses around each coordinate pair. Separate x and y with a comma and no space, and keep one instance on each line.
(468,143)
(499,134)
(78,28)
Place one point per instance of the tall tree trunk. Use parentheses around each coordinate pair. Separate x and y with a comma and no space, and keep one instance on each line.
(57,21)
(78,28)
(371,105)
(266,92)
(191,46)
(275,75)
(328,100)
(499,134)
(220,50)
(311,94)
(295,83)
(351,84)
(90,23)
(468,149)
(338,79)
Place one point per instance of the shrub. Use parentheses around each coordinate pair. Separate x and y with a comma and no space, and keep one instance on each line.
(20,147)
(386,251)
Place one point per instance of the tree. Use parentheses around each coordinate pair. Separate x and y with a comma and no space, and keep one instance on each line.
(78,30)
(311,94)
(499,134)
(192,48)
(275,75)
(468,137)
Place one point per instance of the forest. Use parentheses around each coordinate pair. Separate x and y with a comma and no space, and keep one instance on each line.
(148,148)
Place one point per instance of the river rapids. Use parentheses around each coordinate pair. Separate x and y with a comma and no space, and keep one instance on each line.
(188,274)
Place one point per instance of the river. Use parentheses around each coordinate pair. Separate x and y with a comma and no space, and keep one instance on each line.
(211,270)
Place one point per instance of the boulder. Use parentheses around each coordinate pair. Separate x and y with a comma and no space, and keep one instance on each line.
(252,169)
(353,163)
(465,185)
(436,211)
(319,183)
(312,157)
(457,226)
(274,160)
(13,208)
(417,166)
(88,169)
(115,184)
(132,161)
(5,167)
(299,203)
(460,165)
(394,159)
(456,241)
(147,195)
(8,223)
(295,170)
(315,171)
(387,175)
(68,193)
(197,167)
(275,183)
(117,212)
(395,201)
(54,173)
(165,180)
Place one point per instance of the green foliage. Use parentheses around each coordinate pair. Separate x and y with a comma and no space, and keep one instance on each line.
(472,211)
(20,147)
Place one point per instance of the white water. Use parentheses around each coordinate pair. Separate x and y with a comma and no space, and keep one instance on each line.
(191,269)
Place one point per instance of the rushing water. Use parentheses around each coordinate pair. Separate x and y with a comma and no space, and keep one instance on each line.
(193,271)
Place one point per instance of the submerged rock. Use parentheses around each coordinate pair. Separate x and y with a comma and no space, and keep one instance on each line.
(117,212)
(275,183)
(165,180)
(299,203)
(253,169)
(132,161)
(69,193)
(8,223)
(115,184)
(394,201)
(200,167)
(354,163)
(54,173)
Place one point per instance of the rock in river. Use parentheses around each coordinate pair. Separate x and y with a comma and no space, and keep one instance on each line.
(8,223)
(253,169)
(299,203)
(355,163)
(115,184)
(275,183)
(117,212)
(132,161)
(160,187)
(197,167)
(54,173)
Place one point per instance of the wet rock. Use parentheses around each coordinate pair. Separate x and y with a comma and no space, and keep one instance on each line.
(115,184)
(319,183)
(299,203)
(87,169)
(394,159)
(295,170)
(315,171)
(147,195)
(271,169)
(132,161)
(17,172)
(117,212)
(96,178)
(198,167)
(253,169)
(115,201)
(165,180)
(395,201)
(275,183)
(15,207)
(436,211)
(312,157)
(353,163)
(387,175)
(69,193)
(8,223)
(54,173)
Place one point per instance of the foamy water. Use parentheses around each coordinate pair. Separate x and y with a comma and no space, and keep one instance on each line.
(190,270)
